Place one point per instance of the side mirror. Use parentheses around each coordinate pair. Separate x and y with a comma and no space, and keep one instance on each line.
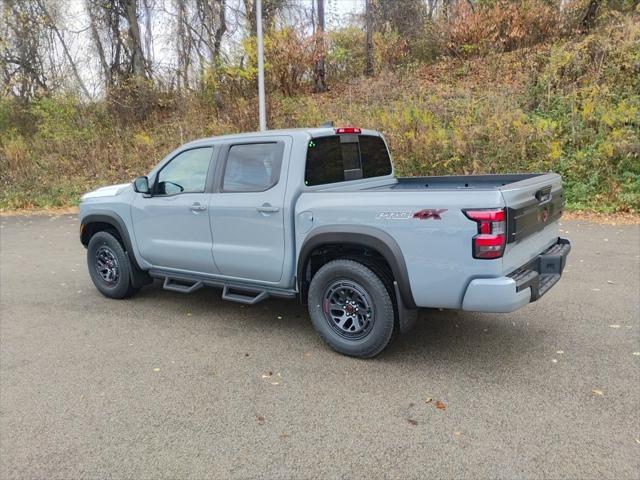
(141,185)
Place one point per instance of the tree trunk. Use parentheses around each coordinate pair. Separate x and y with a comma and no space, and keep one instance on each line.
(183,47)
(134,39)
(220,31)
(589,17)
(250,14)
(368,18)
(318,71)
(99,47)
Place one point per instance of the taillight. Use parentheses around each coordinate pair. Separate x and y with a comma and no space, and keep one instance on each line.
(347,130)
(489,243)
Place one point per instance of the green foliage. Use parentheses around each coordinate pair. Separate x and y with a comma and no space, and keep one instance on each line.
(345,53)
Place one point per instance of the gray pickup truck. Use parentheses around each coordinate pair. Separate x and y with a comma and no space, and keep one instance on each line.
(318,214)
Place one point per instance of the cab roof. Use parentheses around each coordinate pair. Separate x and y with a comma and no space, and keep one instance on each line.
(296,132)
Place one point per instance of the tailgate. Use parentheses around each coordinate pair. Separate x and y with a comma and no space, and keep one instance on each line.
(534,207)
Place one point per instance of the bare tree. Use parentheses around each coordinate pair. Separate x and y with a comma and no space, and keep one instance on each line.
(183,45)
(121,56)
(51,24)
(270,8)
(200,26)
(368,20)
(22,62)
(319,82)
(134,38)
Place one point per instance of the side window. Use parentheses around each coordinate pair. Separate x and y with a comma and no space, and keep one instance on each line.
(252,167)
(186,173)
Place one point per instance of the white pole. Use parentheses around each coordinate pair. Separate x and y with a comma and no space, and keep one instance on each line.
(261,105)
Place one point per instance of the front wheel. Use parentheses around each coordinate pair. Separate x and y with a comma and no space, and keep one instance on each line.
(109,266)
(351,308)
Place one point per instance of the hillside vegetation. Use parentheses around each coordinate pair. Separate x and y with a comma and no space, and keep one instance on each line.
(569,104)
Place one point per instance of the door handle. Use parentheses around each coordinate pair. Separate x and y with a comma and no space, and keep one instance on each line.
(196,207)
(267,208)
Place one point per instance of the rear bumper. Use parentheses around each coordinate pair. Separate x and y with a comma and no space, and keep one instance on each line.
(526,284)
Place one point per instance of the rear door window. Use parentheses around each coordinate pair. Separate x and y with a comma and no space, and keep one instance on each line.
(339,158)
(252,167)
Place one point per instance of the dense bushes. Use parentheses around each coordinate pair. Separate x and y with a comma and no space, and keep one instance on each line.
(571,105)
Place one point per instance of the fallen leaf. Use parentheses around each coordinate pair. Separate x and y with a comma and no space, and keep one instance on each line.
(595,391)
(440,405)
(412,422)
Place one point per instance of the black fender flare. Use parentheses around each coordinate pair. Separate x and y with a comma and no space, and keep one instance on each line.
(359,235)
(139,277)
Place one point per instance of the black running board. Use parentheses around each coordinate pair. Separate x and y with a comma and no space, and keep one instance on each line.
(235,292)
(181,286)
(243,296)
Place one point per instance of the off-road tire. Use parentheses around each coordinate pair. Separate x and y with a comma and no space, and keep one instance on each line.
(109,245)
(384,324)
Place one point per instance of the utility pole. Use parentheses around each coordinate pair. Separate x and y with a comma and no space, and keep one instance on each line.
(261,105)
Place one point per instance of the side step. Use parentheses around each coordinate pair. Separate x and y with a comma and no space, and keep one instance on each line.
(181,286)
(248,297)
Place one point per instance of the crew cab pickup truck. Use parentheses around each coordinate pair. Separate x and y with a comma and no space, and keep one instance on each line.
(318,214)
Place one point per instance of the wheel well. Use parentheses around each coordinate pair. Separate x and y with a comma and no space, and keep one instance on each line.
(90,229)
(323,254)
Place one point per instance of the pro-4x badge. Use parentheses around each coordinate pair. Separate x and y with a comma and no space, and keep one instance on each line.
(425,214)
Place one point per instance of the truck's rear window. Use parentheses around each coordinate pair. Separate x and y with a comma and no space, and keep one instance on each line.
(337,158)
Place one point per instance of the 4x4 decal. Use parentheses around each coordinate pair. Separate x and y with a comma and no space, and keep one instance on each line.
(428,213)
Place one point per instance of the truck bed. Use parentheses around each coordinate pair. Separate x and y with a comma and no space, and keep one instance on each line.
(455,182)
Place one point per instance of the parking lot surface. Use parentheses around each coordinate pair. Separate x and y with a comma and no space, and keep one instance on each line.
(165,385)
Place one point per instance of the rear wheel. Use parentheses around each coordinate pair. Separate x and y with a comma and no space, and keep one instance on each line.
(351,308)
(109,266)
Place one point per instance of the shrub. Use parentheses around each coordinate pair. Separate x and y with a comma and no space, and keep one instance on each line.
(500,26)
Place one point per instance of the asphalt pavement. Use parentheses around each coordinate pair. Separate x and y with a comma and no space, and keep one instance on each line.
(166,385)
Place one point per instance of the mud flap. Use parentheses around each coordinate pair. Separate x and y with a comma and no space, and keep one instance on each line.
(406,316)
